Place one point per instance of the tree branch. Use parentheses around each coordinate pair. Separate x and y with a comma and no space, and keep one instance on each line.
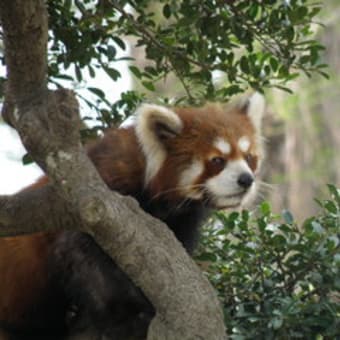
(26,85)
(31,211)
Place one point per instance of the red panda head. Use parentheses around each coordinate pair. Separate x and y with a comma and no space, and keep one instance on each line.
(209,154)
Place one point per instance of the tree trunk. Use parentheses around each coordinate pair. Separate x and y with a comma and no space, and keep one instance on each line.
(186,305)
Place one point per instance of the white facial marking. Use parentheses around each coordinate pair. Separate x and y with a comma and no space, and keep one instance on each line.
(189,177)
(243,144)
(222,145)
(224,188)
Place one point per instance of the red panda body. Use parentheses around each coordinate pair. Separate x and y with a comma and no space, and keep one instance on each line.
(179,164)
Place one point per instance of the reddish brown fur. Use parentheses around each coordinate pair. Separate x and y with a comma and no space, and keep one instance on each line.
(42,181)
(120,161)
(23,280)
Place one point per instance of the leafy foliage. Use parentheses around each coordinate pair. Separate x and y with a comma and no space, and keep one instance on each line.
(215,48)
(277,280)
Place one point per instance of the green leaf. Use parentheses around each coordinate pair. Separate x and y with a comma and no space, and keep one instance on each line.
(324,74)
(207,257)
(244,65)
(27,159)
(63,76)
(287,216)
(135,70)
(279,240)
(334,191)
(148,85)
(231,90)
(274,64)
(111,52)
(91,71)
(234,215)
(167,11)
(284,88)
(78,73)
(331,207)
(97,92)
(265,208)
(119,42)
(111,72)
(245,215)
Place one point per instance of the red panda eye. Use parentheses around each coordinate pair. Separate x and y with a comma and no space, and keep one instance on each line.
(218,161)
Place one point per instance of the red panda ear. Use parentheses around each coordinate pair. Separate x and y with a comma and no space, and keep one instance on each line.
(254,107)
(157,122)
(165,131)
(154,125)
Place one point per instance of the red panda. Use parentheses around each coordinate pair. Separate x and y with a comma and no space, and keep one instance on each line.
(179,164)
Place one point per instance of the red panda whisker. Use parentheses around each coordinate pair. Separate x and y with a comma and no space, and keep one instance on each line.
(206,200)
(180,187)
(182,203)
(265,188)
(261,195)
(177,207)
(266,184)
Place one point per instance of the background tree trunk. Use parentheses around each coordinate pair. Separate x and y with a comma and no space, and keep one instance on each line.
(303,153)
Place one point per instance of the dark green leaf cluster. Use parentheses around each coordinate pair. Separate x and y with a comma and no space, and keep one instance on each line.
(84,37)
(215,48)
(244,43)
(276,280)
(118,112)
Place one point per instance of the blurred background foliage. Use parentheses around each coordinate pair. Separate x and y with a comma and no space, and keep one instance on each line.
(304,130)
(214,49)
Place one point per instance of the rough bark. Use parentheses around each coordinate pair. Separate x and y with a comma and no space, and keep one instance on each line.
(41,207)
(186,305)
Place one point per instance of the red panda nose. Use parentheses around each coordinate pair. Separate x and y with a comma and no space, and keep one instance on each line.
(245,180)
